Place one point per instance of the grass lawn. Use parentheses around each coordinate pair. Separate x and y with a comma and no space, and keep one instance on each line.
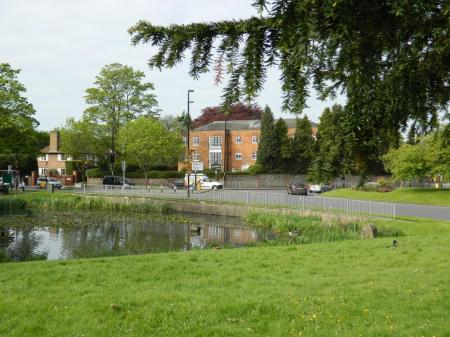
(403,195)
(347,288)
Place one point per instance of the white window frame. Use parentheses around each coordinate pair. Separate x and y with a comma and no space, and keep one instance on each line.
(215,141)
(254,155)
(62,157)
(195,141)
(196,157)
(238,156)
(238,140)
(62,172)
(255,139)
(43,157)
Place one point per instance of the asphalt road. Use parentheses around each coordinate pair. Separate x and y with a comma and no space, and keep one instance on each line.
(280,197)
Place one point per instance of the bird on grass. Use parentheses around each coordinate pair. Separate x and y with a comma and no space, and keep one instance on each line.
(394,244)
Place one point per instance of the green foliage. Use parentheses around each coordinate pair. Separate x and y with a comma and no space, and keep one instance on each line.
(70,167)
(429,157)
(367,50)
(19,141)
(302,146)
(256,169)
(330,147)
(147,141)
(78,203)
(120,96)
(283,155)
(309,229)
(267,152)
(96,172)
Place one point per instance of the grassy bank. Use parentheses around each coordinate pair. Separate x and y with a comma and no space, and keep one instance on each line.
(69,202)
(347,288)
(403,195)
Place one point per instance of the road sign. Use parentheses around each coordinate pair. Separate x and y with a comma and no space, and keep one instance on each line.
(197,166)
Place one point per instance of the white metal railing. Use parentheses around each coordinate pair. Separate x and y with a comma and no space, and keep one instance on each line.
(264,198)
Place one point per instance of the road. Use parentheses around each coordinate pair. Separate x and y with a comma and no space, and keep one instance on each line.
(280,197)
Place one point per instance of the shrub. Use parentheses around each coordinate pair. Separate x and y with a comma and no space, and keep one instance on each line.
(255,169)
(95,172)
(69,167)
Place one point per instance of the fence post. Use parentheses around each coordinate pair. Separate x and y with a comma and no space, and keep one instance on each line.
(84,188)
(247,197)
(265,199)
(348,206)
(394,211)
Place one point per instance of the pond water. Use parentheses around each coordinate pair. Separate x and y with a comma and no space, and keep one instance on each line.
(48,237)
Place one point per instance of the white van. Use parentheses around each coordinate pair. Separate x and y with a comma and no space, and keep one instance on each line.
(203,182)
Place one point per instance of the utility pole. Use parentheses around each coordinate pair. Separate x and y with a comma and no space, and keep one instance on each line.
(188,141)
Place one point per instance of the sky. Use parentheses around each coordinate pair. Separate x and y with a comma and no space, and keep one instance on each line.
(61,46)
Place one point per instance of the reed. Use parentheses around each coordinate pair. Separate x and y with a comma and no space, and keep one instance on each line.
(77,203)
(304,229)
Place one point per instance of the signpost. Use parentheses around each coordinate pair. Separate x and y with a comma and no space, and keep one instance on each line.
(197,166)
(124,167)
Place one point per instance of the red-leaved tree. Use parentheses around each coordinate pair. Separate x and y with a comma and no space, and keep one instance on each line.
(238,111)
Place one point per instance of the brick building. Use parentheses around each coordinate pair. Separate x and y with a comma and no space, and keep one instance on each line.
(52,158)
(229,145)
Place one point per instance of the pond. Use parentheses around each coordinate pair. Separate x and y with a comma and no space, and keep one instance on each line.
(48,237)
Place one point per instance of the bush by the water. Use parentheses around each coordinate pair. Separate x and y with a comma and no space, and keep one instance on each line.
(305,229)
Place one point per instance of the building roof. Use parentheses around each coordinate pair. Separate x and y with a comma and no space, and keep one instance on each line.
(251,124)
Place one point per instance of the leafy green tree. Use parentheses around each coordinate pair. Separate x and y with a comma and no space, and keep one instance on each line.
(408,162)
(267,151)
(430,157)
(282,145)
(78,140)
(302,146)
(18,138)
(329,158)
(119,96)
(146,142)
(365,49)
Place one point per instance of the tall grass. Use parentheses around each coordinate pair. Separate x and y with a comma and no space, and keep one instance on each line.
(77,203)
(304,228)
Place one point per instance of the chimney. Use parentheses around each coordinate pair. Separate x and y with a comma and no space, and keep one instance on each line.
(54,140)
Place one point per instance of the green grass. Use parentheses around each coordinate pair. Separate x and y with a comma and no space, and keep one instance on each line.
(403,195)
(346,288)
(62,201)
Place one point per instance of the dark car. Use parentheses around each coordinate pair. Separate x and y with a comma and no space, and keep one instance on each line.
(179,183)
(116,180)
(297,188)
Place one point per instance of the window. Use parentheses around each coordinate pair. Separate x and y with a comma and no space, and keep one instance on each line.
(62,172)
(196,156)
(215,158)
(43,172)
(185,140)
(195,141)
(238,156)
(255,139)
(215,141)
(43,157)
(238,140)
(254,155)
(61,157)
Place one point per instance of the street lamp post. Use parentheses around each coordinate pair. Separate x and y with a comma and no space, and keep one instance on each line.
(188,139)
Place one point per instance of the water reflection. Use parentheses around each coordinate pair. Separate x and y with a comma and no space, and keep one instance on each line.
(107,237)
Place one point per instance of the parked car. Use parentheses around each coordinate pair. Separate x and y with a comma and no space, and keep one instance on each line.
(179,183)
(203,182)
(117,181)
(319,188)
(43,181)
(297,188)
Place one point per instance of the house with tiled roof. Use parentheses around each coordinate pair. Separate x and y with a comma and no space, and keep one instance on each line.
(229,145)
